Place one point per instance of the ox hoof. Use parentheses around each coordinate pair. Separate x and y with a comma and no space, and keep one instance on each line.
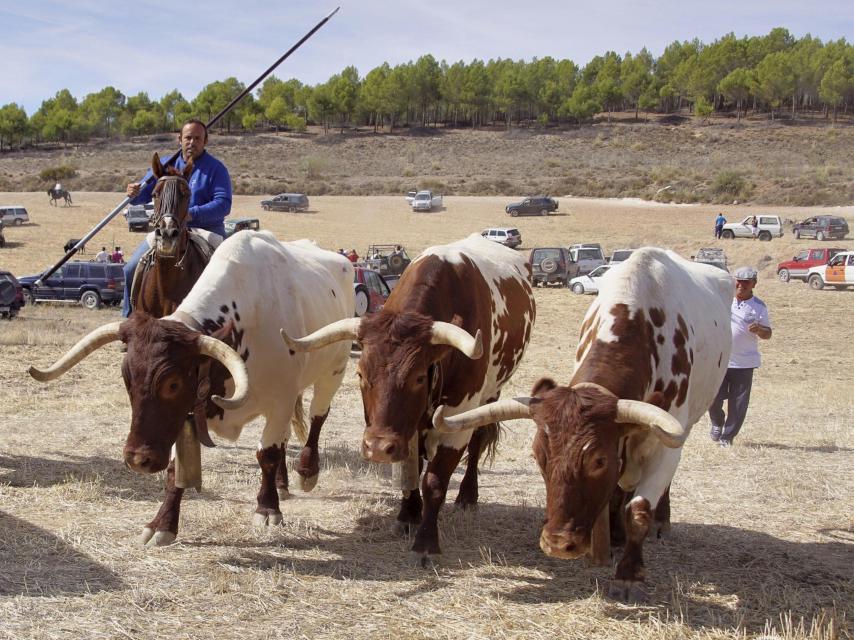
(309,483)
(267,519)
(424,560)
(151,538)
(628,591)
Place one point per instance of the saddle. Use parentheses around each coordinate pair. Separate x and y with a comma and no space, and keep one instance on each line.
(199,242)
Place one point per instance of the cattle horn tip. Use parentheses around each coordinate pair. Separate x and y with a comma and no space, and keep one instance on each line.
(38,374)
(439,418)
(292,344)
(226,403)
(477,349)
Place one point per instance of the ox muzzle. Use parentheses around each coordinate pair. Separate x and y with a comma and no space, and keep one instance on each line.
(145,458)
(383,445)
(564,544)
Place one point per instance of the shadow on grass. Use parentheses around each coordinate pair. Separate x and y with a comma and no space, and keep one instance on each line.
(692,571)
(35,563)
(827,448)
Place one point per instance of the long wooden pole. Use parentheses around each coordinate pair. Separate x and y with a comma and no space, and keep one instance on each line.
(82,242)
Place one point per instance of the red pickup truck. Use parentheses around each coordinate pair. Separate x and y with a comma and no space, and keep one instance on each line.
(797,267)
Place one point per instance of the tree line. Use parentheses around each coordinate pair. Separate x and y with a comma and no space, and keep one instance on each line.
(776,74)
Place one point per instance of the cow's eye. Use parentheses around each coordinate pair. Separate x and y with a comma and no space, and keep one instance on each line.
(171,387)
(421,379)
(599,462)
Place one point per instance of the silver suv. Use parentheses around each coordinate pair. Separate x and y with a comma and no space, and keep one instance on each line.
(508,236)
(15,214)
(586,257)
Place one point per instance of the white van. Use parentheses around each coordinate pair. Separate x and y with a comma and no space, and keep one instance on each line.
(14,214)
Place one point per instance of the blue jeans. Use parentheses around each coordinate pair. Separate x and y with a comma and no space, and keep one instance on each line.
(735,389)
(130,267)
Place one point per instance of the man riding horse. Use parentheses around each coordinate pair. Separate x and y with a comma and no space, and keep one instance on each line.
(209,198)
(58,193)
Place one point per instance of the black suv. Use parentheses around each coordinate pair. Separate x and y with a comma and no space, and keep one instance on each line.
(2,237)
(11,295)
(90,283)
(534,206)
(822,228)
(139,216)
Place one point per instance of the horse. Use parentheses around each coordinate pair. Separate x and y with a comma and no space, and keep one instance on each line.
(167,273)
(56,194)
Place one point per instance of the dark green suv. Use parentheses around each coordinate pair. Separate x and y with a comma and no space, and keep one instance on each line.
(533,206)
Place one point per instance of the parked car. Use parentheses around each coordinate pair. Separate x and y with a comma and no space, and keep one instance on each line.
(138,216)
(838,272)
(2,236)
(550,265)
(589,283)
(426,201)
(798,267)
(14,214)
(769,227)
(11,295)
(619,255)
(370,289)
(233,225)
(822,228)
(286,202)
(508,236)
(713,256)
(586,257)
(533,206)
(90,283)
(387,259)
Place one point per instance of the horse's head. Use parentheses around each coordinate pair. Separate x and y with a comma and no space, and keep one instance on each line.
(171,206)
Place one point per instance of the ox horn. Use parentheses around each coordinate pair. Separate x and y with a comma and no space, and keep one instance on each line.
(92,342)
(451,334)
(668,429)
(220,351)
(487,414)
(346,329)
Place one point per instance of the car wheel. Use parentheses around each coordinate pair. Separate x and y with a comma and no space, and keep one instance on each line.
(514,213)
(265,207)
(578,288)
(784,275)
(18,222)
(727,234)
(548,265)
(292,209)
(544,212)
(765,236)
(361,303)
(819,235)
(797,234)
(90,300)
(29,298)
(816,282)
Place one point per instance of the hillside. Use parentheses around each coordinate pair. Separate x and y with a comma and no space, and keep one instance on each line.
(667,159)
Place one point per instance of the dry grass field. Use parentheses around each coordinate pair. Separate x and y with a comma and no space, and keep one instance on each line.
(762,543)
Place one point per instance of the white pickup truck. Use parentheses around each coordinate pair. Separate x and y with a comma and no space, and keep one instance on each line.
(425,201)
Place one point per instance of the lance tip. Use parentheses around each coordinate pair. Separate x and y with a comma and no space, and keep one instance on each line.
(333,13)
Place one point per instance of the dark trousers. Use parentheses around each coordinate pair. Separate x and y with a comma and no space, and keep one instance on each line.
(718,231)
(735,389)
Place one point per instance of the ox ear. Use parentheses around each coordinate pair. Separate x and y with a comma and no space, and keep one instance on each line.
(543,385)
(188,170)
(157,167)
(225,333)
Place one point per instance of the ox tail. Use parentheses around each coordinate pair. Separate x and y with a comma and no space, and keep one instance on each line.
(487,444)
(298,421)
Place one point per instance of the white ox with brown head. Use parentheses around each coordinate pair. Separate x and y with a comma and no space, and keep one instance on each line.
(452,332)
(653,350)
(224,340)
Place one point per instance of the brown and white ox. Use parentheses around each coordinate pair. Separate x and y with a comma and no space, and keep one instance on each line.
(452,332)
(653,350)
(253,286)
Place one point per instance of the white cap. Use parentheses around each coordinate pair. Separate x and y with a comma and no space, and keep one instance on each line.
(745,273)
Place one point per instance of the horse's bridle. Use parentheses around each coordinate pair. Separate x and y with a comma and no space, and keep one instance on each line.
(169,182)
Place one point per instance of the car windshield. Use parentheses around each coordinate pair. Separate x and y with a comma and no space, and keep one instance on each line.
(541,254)
(599,271)
(588,254)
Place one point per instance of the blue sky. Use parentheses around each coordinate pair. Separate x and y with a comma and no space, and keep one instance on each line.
(158,45)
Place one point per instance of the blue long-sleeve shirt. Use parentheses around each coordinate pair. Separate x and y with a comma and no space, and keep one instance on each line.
(210,193)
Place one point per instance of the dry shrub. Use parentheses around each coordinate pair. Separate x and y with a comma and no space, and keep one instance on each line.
(61,172)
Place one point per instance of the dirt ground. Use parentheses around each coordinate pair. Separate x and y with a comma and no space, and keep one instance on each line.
(762,543)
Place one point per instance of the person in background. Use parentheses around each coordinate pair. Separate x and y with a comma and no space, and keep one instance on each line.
(749,322)
(117,257)
(754,227)
(102,255)
(210,195)
(720,221)
(353,256)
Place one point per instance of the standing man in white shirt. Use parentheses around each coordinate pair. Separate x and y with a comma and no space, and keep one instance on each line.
(749,322)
